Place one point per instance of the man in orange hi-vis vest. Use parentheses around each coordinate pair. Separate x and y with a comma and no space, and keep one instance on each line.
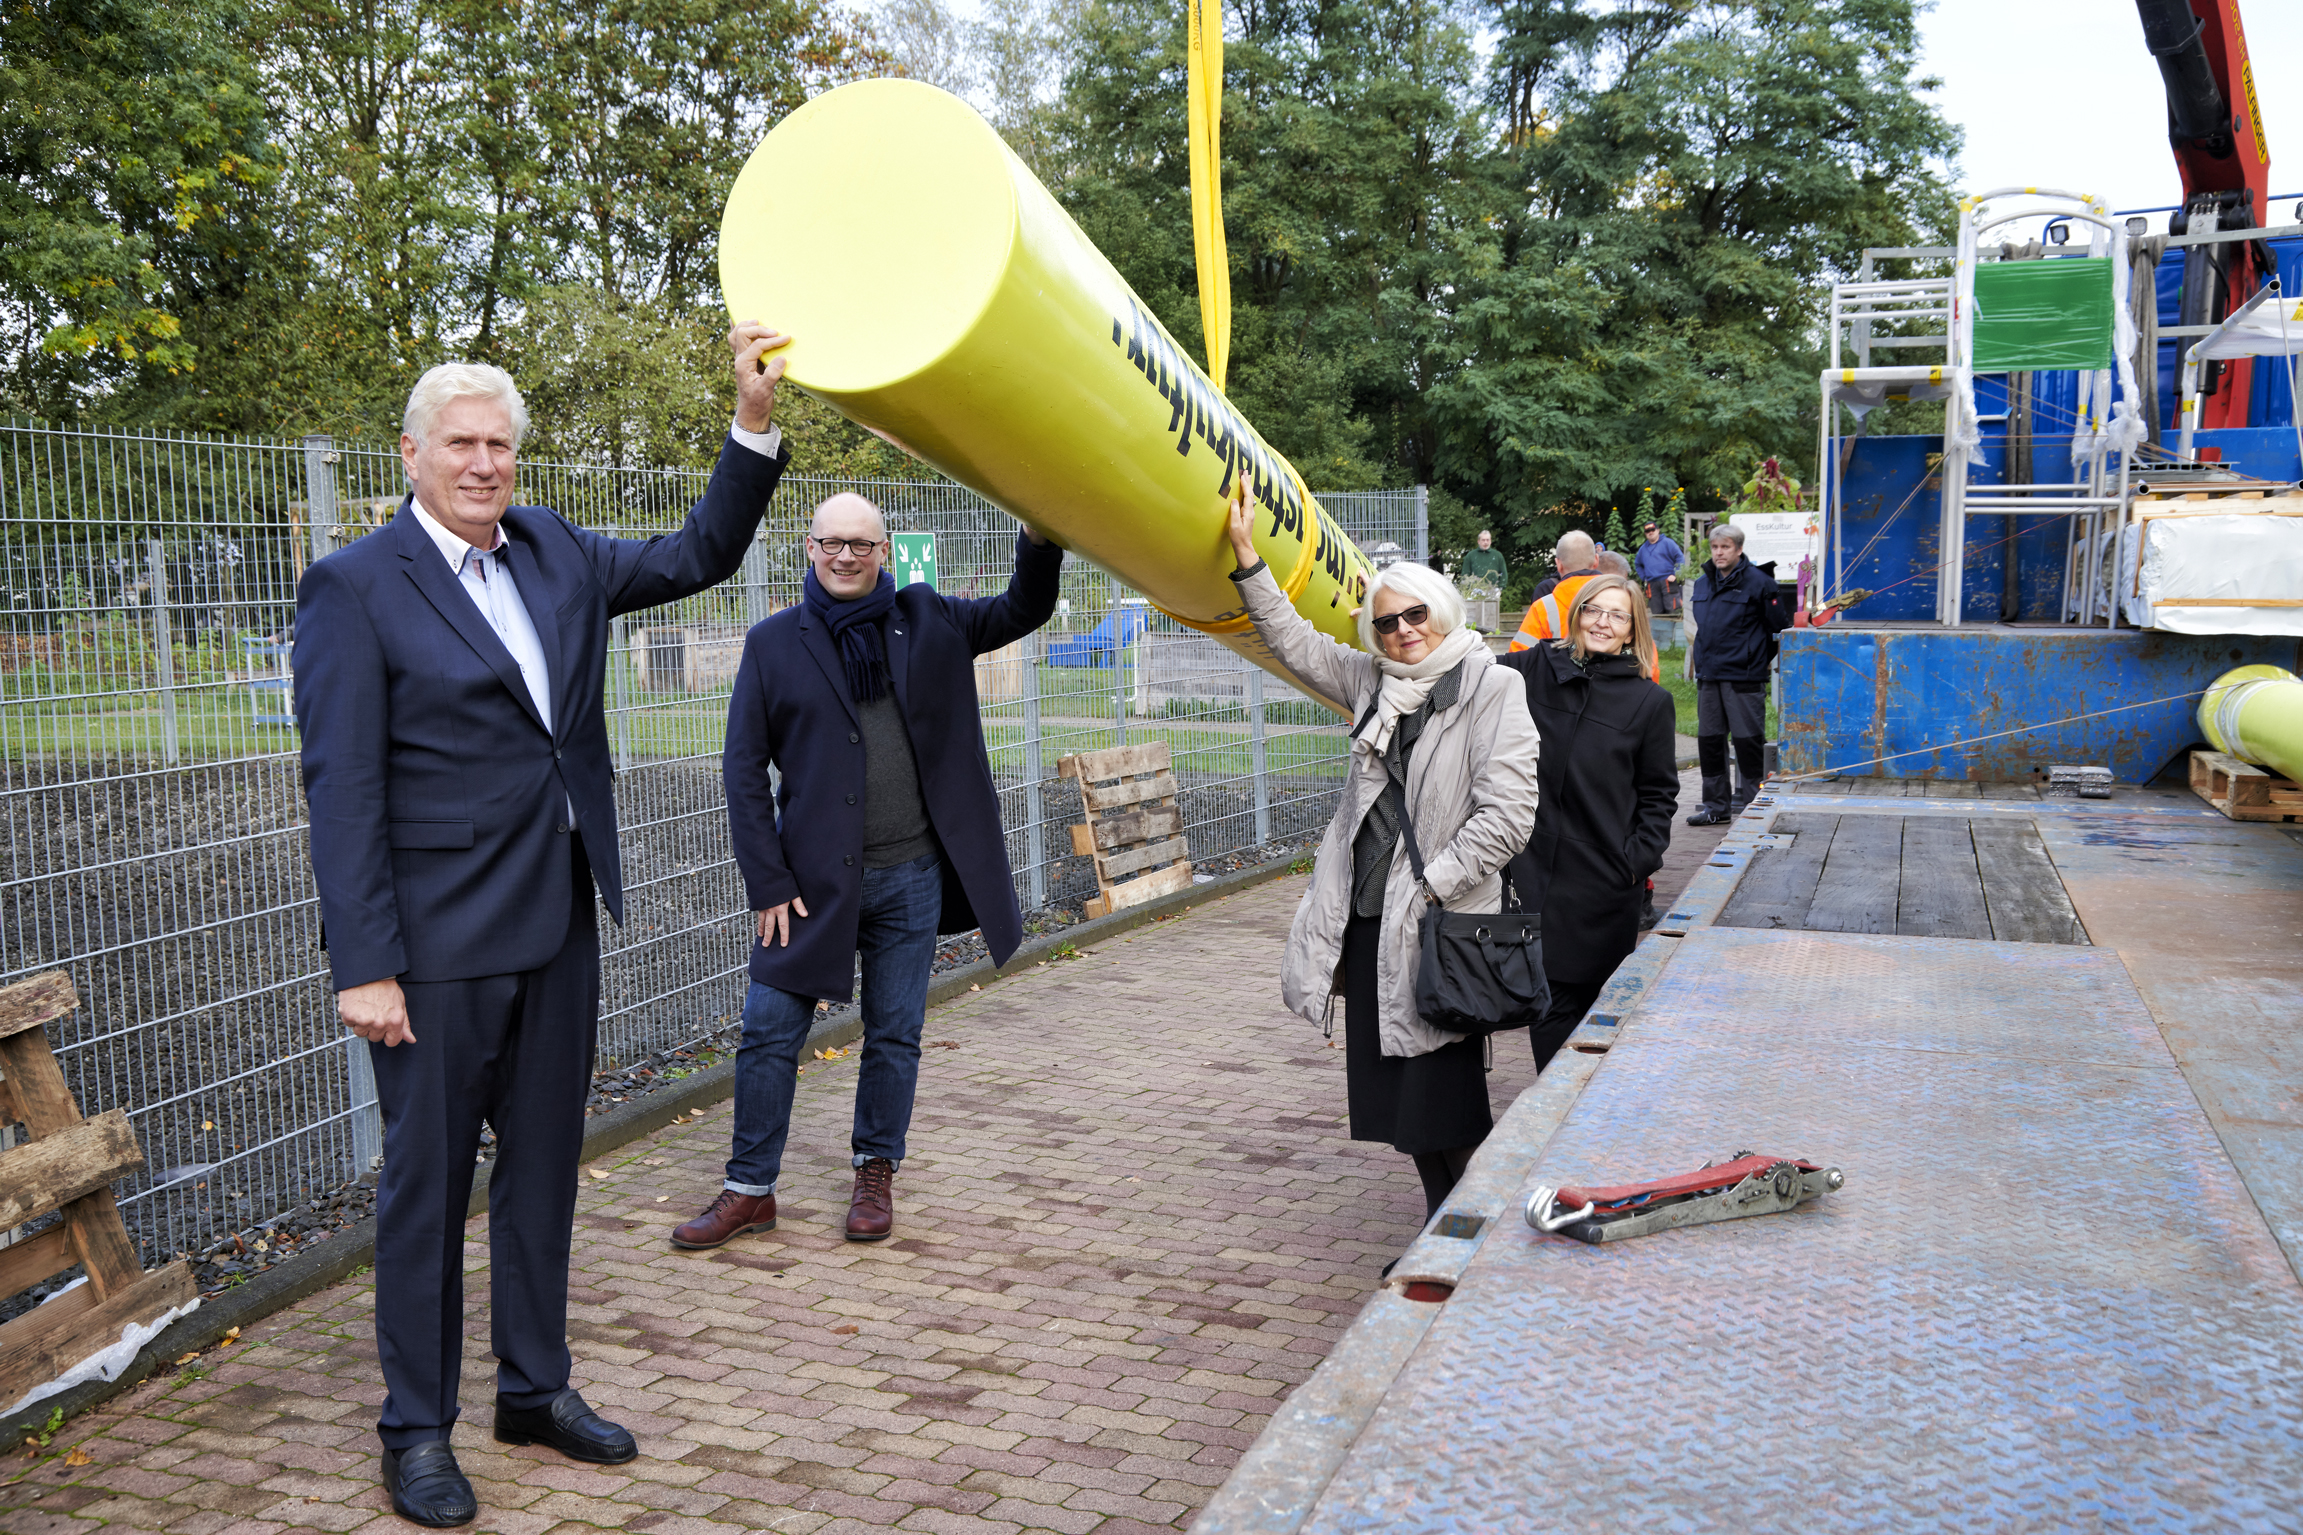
(1577,559)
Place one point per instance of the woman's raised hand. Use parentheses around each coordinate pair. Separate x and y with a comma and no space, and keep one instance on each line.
(1242,524)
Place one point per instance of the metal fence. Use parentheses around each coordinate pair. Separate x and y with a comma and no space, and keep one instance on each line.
(152,833)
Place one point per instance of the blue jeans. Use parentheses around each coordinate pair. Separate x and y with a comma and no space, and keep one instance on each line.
(896,932)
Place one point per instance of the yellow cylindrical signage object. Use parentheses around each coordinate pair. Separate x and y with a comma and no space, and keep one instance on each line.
(937,295)
(2255,713)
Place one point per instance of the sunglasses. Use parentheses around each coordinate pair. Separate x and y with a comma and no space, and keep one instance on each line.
(835,547)
(1412,617)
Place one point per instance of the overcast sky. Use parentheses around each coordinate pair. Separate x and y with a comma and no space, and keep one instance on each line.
(2063,93)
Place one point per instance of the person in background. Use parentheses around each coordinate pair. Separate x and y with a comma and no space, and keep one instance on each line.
(455,754)
(1438,718)
(1485,563)
(1738,611)
(1612,564)
(883,831)
(1658,566)
(1576,559)
(1608,784)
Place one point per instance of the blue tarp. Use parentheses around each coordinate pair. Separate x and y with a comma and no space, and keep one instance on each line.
(1096,648)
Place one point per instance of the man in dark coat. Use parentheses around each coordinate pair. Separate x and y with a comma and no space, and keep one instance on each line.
(1738,611)
(883,831)
(448,691)
(1607,784)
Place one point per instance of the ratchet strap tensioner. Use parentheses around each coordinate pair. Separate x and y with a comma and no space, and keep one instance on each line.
(1744,1184)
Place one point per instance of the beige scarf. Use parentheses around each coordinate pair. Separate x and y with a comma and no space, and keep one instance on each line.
(1404,687)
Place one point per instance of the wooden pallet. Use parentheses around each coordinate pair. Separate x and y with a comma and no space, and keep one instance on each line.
(66,1164)
(1132,828)
(2243,791)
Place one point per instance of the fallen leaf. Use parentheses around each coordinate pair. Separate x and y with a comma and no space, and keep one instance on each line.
(845,1327)
(207,1124)
(651,1161)
(660,1198)
(973,987)
(597,1172)
(263,1247)
(187,1358)
(78,1457)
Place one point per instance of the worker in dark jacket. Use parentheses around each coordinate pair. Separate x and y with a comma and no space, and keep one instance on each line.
(884,831)
(1607,783)
(1738,612)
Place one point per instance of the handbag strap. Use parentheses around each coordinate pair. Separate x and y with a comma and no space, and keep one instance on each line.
(1415,853)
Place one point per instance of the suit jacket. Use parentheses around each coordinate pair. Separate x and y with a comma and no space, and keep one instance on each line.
(439,801)
(805,837)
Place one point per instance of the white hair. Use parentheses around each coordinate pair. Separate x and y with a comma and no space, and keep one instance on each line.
(1729,531)
(1426,586)
(461,381)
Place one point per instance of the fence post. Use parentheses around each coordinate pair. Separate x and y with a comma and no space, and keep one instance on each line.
(1035,834)
(320,492)
(164,654)
(1119,622)
(1255,755)
(1423,524)
(367,1119)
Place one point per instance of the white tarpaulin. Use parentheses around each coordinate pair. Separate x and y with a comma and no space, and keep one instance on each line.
(1863,396)
(2273,328)
(2235,573)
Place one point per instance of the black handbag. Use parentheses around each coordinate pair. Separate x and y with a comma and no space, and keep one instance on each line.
(1476,972)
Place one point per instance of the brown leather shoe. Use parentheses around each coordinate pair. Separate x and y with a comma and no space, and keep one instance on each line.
(730,1215)
(872,1210)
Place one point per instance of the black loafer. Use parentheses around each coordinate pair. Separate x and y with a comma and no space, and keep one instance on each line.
(428,1487)
(1707,816)
(570,1427)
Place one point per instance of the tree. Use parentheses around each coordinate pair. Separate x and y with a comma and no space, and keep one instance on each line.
(131,140)
(1702,169)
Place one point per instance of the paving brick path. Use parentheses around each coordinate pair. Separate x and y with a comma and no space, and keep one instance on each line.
(1129,1225)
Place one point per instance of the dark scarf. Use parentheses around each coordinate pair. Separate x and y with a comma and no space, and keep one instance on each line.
(855,626)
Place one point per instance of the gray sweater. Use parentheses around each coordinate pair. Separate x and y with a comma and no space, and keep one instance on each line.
(895,814)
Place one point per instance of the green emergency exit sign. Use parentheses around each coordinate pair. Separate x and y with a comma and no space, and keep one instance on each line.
(915,558)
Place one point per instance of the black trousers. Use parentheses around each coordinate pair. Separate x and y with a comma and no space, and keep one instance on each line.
(1725,711)
(515,1051)
(1570,1000)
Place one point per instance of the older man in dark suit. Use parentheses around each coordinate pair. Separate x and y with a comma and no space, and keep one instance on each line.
(884,830)
(448,689)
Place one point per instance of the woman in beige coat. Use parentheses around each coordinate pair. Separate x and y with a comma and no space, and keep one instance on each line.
(1432,710)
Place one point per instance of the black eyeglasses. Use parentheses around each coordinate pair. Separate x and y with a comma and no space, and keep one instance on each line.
(859,547)
(1390,622)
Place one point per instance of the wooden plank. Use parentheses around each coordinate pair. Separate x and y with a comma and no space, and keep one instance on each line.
(1779,886)
(1131,826)
(2010,791)
(1112,865)
(1083,841)
(43,1343)
(1952,788)
(2243,791)
(1941,892)
(1152,886)
(24,1264)
(34,1003)
(101,1240)
(43,1102)
(50,1172)
(1861,877)
(2025,895)
(1132,791)
(1117,762)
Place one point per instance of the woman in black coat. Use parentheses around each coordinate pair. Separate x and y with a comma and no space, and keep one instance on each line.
(1609,785)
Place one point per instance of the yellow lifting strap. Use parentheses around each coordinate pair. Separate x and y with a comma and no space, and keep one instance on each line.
(1203,112)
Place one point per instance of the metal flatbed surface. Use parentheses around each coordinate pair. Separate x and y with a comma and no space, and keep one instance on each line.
(2044,1299)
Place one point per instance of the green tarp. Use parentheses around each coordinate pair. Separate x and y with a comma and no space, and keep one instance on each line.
(2032,315)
